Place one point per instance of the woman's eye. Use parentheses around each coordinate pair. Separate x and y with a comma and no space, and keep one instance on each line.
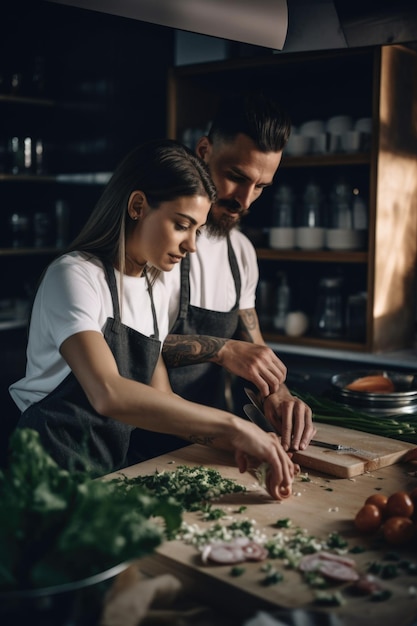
(198,232)
(181,227)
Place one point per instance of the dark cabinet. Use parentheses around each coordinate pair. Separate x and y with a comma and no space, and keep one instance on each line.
(78,90)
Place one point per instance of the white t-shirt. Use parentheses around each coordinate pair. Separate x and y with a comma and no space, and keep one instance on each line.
(211,281)
(74,296)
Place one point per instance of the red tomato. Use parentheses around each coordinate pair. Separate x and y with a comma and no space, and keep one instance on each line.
(368,518)
(379,500)
(399,504)
(413,496)
(398,530)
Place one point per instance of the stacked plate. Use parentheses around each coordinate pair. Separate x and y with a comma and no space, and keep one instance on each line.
(403,400)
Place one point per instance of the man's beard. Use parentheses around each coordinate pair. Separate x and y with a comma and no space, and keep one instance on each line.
(222,226)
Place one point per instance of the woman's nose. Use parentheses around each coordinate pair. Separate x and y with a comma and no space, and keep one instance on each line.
(190,243)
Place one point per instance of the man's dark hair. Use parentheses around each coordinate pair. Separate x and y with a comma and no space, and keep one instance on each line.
(255,115)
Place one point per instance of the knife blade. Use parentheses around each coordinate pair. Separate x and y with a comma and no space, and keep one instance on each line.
(257,417)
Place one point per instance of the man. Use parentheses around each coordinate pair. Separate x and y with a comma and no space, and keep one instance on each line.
(213,319)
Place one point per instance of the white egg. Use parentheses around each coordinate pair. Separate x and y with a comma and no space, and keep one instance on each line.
(296,323)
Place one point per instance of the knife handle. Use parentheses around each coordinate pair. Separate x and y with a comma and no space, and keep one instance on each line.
(324,444)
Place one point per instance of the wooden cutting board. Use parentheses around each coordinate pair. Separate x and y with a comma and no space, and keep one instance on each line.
(382,452)
(322,505)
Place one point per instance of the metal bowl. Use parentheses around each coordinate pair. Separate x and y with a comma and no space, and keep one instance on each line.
(402,400)
(77,603)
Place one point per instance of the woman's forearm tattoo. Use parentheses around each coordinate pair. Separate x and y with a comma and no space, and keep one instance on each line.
(179,350)
(204,441)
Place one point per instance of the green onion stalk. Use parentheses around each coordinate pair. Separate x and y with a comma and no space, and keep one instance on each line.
(328,411)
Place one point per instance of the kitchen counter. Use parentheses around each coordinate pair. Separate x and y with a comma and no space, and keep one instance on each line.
(406,359)
(320,503)
(310,369)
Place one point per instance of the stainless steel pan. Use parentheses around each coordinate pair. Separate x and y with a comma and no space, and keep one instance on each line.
(402,400)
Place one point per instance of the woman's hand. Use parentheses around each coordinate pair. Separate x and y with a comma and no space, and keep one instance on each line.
(253,447)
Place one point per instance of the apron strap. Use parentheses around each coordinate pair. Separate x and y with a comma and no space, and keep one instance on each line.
(111,279)
(185,287)
(235,270)
(185,280)
(155,319)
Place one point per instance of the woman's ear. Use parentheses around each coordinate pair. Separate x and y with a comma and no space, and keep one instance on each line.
(137,201)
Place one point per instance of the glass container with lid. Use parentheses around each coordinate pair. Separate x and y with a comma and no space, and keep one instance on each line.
(328,318)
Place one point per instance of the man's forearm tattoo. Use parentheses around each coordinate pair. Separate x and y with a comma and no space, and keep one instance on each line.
(179,350)
(248,321)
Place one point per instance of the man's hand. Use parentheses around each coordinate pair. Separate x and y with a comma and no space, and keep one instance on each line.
(254,362)
(291,418)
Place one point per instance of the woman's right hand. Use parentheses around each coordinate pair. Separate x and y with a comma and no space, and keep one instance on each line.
(252,447)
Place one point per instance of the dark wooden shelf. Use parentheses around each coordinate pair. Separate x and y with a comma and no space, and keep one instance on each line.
(327,160)
(314,342)
(315,256)
(28,251)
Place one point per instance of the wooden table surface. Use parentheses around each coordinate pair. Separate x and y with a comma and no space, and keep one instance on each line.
(321,504)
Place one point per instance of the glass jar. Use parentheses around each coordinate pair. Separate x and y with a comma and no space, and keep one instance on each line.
(328,319)
(341,206)
(283,207)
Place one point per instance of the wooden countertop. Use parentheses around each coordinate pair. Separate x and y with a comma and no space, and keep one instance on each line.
(320,503)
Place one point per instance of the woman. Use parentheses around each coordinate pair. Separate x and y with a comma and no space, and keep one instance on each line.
(96,387)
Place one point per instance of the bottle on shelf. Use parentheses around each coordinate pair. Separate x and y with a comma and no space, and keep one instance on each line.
(310,227)
(328,318)
(282,302)
(341,198)
(282,233)
(62,216)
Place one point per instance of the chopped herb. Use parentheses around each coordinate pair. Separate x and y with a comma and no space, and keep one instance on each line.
(272,578)
(357,550)
(283,523)
(380,595)
(336,541)
(325,598)
(210,513)
(192,487)
(242,509)
(389,571)
(315,580)
(237,571)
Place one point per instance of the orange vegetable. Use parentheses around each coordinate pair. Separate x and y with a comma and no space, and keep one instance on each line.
(372,384)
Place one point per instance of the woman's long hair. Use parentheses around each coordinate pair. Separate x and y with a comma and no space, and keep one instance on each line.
(164,170)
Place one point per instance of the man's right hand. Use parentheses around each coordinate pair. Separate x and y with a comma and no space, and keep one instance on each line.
(254,362)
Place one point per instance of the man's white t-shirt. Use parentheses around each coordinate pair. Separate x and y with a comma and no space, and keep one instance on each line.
(73,297)
(211,281)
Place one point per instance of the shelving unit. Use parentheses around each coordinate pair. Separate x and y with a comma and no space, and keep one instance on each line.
(87,106)
(371,82)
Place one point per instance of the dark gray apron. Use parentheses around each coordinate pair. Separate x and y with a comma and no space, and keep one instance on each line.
(78,437)
(205,382)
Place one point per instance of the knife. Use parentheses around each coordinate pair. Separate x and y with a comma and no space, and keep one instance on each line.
(256,415)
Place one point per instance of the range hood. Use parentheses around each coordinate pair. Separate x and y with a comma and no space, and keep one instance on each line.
(282,25)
